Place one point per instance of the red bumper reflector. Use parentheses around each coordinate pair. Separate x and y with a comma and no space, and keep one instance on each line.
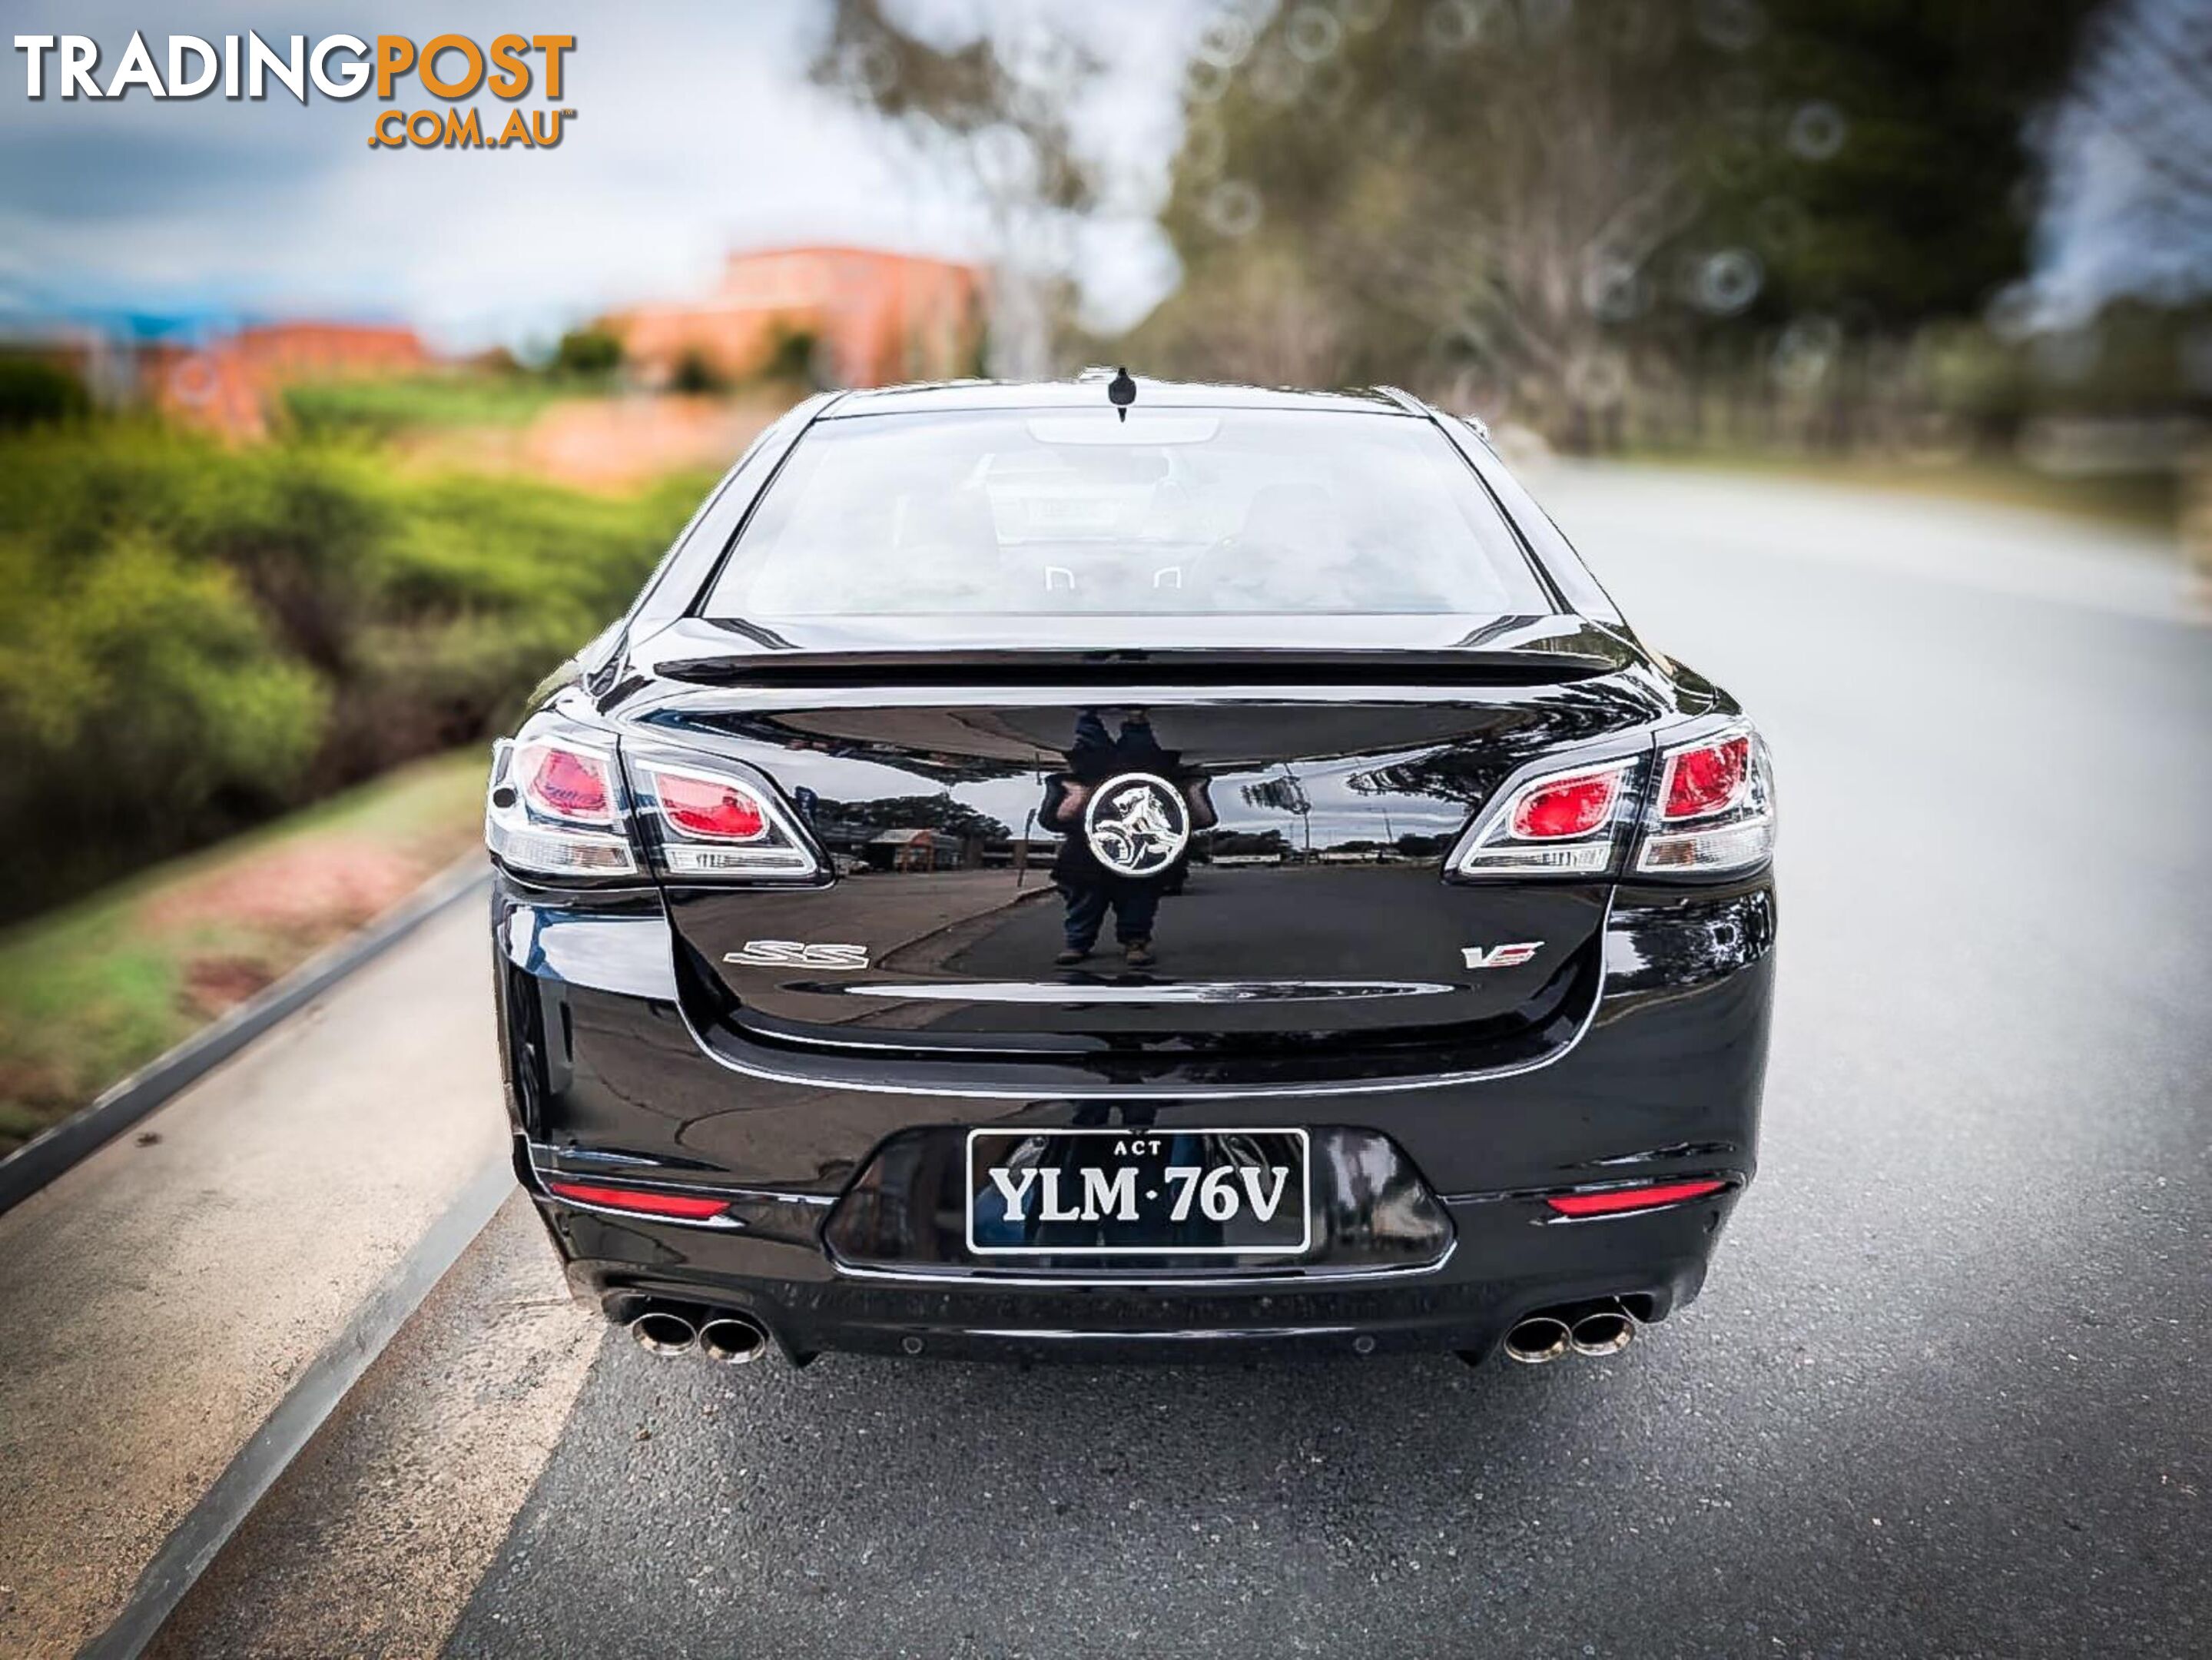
(683,1206)
(1639,1198)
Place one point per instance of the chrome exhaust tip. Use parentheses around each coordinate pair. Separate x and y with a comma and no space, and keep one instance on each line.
(1603,1331)
(1538,1339)
(733,1339)
(660,1331)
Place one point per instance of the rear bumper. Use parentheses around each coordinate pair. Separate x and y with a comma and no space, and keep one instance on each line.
(1503,1264)
(607,1081)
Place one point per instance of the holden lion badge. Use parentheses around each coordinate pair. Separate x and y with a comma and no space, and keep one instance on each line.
(1137,824)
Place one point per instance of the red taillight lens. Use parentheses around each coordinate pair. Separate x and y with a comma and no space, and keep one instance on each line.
(1566,807)
(1708,780)
(567,784)
(644,1201)
(1612,1201)
(712,807)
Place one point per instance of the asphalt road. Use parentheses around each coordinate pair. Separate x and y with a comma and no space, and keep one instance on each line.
(1946,1393)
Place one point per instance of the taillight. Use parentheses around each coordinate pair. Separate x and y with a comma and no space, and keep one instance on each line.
(640,1201)
(1558,822)
(1710,811)
(566,800)
(555,807)
(1713,812)
(712,817)
(1642,1195)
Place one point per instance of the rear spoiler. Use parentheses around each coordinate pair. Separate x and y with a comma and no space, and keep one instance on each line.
(1127,667)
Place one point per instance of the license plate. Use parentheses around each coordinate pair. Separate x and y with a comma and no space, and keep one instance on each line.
(1139,1193)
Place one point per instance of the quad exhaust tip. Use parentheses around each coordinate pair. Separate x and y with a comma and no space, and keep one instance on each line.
(1603,1331)
(1537,1340)
(1592,1328)
(663,1331)
(733,1339)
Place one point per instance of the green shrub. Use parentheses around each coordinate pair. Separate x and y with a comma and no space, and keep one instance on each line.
(35,393)
(587,352)
(193,637)
(143,704)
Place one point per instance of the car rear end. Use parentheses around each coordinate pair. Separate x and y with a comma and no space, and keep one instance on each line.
(1457,916)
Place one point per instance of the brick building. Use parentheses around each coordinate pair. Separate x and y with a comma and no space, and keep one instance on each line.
(876,317)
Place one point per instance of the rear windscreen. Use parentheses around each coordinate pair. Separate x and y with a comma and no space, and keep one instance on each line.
(1234,512)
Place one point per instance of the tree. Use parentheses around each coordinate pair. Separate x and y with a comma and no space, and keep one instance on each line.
(1521,200)
(995,111)
(588,352)
(697,375)
(1893,174)
(1420,193)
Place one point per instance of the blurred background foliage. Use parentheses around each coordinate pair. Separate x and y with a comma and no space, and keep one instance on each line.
(199,635)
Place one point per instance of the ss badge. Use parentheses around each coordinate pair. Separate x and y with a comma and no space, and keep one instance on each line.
(792,954)
(1501,957)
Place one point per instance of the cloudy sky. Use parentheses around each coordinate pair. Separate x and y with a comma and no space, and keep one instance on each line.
(696,133)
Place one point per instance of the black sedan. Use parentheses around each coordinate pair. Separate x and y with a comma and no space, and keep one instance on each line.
(1128,868)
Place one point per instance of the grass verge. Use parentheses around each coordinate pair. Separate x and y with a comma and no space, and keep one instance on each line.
(91,993)
(380,408)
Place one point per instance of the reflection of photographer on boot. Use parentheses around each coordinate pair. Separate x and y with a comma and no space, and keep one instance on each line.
(1133,847)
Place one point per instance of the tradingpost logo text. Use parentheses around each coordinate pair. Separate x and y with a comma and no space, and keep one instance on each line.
(450,67)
